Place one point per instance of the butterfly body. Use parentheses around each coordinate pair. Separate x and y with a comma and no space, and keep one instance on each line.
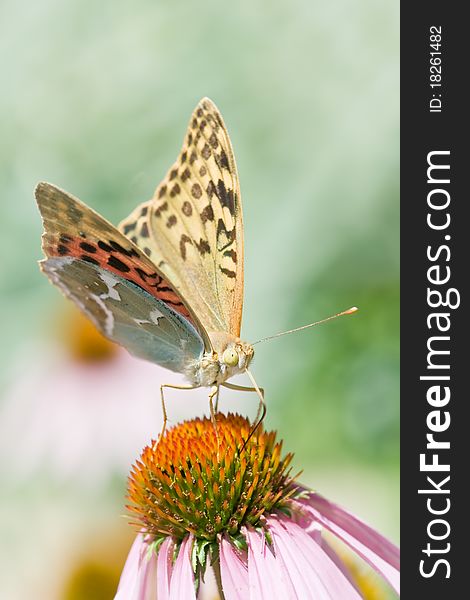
(167,283)
(211,369)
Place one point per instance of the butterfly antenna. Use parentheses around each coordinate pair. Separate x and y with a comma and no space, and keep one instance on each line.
(261,408)
(350,311)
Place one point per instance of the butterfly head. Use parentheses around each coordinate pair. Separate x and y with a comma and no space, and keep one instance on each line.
(232,355)
(237,355)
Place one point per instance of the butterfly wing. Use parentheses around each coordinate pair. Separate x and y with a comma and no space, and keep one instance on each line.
(127,314)
(193,229)
(85,252)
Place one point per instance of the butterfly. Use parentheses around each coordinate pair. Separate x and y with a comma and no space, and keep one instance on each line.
(167,283)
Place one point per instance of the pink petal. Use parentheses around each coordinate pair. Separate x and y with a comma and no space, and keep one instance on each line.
(266,578)
(138,579)
(148,580)
(312,572)
(234,572)
(164,569)
(377,551)
(337,560)
(182,578)
(131,569)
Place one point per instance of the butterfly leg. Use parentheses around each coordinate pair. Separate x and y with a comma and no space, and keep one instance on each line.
(162,396)
(258,390)
(262,404)
(216,404)
(214,393)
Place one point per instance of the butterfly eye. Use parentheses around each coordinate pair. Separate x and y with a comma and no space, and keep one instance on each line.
(230,357)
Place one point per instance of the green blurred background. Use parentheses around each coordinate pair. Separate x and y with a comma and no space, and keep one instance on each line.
(95,98)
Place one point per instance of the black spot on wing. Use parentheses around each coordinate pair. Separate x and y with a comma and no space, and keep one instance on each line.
(203,247)
(118,264)
(224,236)
(206,152)
(172,220)
(228,272)
(211,190)
(104,246)
(144,275)
(175,190)
(187,208)
(89,259)
(162,208)
(222,160)
(207,214)
(196,191)
(129,227)
(225,196)
(118,248)
(212,122)
(232,254)
(88,247)
(183,241)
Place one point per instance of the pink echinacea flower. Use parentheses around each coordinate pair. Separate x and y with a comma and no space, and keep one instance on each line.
(207,501)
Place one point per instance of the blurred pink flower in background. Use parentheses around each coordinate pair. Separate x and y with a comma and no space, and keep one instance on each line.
(74,412)
(84,407)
